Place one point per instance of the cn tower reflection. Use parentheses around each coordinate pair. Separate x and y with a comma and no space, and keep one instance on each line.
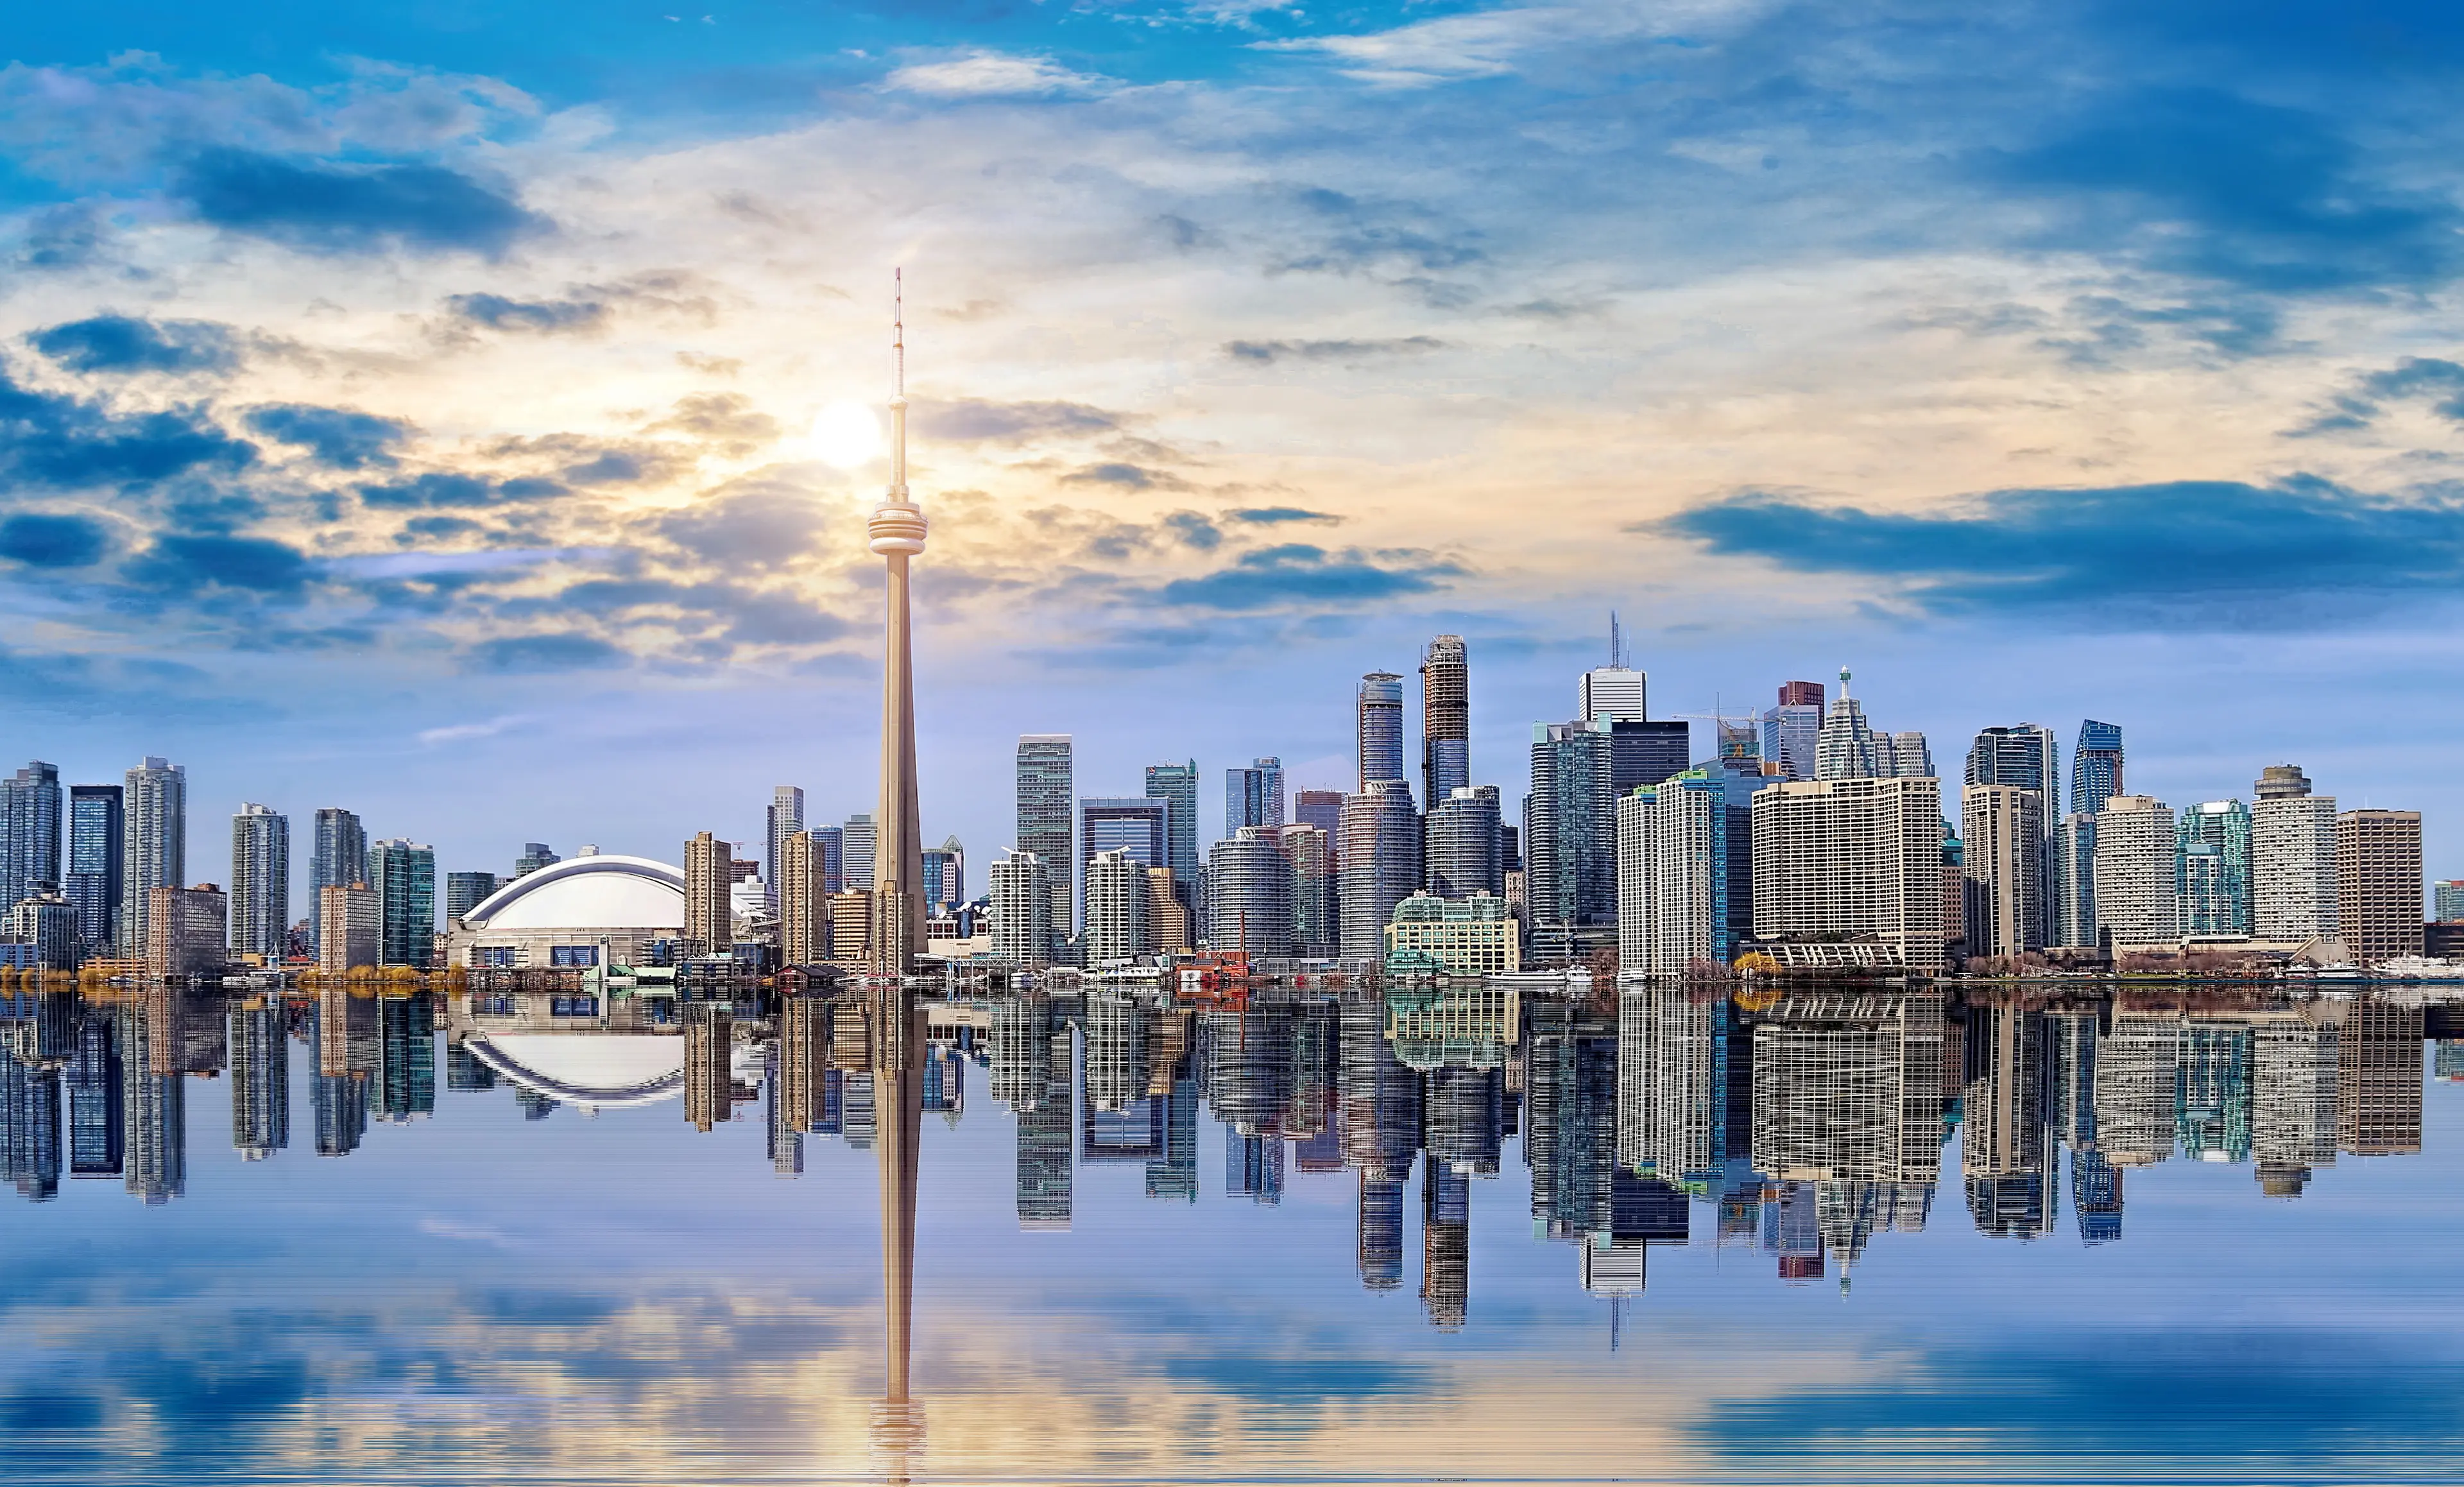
(897,1028)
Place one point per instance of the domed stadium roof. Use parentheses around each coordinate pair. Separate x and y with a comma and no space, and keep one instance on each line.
(605,891)
(595,1070)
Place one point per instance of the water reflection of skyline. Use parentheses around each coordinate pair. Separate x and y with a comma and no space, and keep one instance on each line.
(1805,1126)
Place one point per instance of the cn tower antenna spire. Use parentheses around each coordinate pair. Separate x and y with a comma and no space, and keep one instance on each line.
(898,398)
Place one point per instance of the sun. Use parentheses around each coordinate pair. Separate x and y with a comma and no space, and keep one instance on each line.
(845,434)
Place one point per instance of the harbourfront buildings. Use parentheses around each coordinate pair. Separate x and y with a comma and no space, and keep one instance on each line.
(96,859)
(1470,936)
(2213,868)
(1672,877)
(31,807)
(2136,878)
(1849,871)
(2377,883)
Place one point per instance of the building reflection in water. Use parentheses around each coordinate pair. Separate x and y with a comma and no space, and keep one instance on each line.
(1807,1123)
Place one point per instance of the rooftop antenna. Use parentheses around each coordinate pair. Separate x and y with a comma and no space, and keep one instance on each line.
(1843,682)
(898,402)
(1617,646)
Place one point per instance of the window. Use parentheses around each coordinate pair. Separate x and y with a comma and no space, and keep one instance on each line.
(573,1007)
(494,957)
(573,955)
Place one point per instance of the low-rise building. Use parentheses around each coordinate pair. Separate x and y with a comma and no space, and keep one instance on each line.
(1465,937)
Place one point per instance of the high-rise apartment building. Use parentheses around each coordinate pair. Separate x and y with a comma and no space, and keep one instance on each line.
(1643,752)
(1569,828)
(1855,859)
(1177,786)
(1381,864)
(1672,881)
(1253,796)
(1168,924)
(30,831)
(2135,872)
(829,847)
(945,877)
(1381,728)
(1792,731)
(2028,757)
(804,905)
(2075,880)
(403,874)
(260,882)
(339,859)
(1116,906)
(1317,910)
(2292,857)
(2377,883)
(1899,755)
(785,819)
(2096,766)
(1249,886)
(467,891)
(2212,872)
(155,847)
(1138,824)
(185,930)
(350,927)
(2003,857)
(1323,810)
(2447,895)
(1046,787)
(98,855)
(710,925)
(1446,717)
(1021,910)
(1845,749)
(1464,849)
(535,856)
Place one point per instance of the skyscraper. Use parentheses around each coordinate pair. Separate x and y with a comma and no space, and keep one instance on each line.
(829,860)
(404,877)
(1845,749)
(2447,895)
(1792,731)
(1323,810)
(260,882)
(1381,864)
(1316,898)
(2075,880)
(1570,833)
(1021,908)
(2004,860)
(1463,848)
(535,856)
(2096,766)
(2212,884)
(1643,752)
(1253,796)
(709,921)
(155,847)
(1672,879)
(1898,755)
(1139,824)
(1047,787)
(1116,906)
(1446,717)
(945,877)
(1249,894)
(1380,727)
(2135,875)
(1176,786)
(2027,757)
(804,906)
(2292,857)
(466,891)
(1850,861)
(787,818)
(30,831)
(340,859)
(857,841)
(97,860)
(1614,693)
(2378,886)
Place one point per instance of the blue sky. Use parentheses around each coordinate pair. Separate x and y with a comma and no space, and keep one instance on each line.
(407,406)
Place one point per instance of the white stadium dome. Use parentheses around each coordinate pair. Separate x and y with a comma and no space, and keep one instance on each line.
(605,891)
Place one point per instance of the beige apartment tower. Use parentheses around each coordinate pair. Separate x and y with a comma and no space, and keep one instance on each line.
(803,910)
(1851,858)
(185,930)
(2003,826)
(2292,858)
(710,923)
(2377,883)
(2135,887)
(350,924)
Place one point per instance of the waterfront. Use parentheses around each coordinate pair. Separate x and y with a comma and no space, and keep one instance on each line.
(1314,1234)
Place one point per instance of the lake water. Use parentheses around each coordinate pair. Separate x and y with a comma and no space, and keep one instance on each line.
(1841,1235)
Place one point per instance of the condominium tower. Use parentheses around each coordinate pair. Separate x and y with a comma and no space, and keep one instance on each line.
(710,924)
(260,882)
(1673,877)
(1176,786)
(1250,893)
(96,857)
(785,819)
(154,851)
(2212,871)
(339,859)
(403,874)
(2292,857)
(30,831)
(1445,719)
(1380,859)
(2378,884)
(2096,766)
(2002,846)
(1022,909)
(1253,796)
(1046,786)
(1382,728)
(2135,872)
(1116,906)
(1792,731)
(1854,859)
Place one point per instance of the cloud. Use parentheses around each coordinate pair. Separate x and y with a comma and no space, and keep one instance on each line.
(1194,530)
(1328,350)
(973,420)
(727,420)
(342,437)
(1298,573)
(330,209)
(1269,515)
(425,565)
(53,541)
(987,74)
(1129,477)
(2213,187)
(546,316)
(2440,380)
(760,526)
(53,439)
(463,733)
(257,564)
(123,344)
(456,488)
(546,653)
(1493,44)
(2249,552)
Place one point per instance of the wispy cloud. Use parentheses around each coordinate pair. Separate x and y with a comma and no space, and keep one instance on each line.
(986,74)
(464,732)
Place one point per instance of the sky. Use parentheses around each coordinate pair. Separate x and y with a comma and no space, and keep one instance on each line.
(459,413)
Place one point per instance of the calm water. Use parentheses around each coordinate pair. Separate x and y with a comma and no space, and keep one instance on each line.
(1850,1236)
